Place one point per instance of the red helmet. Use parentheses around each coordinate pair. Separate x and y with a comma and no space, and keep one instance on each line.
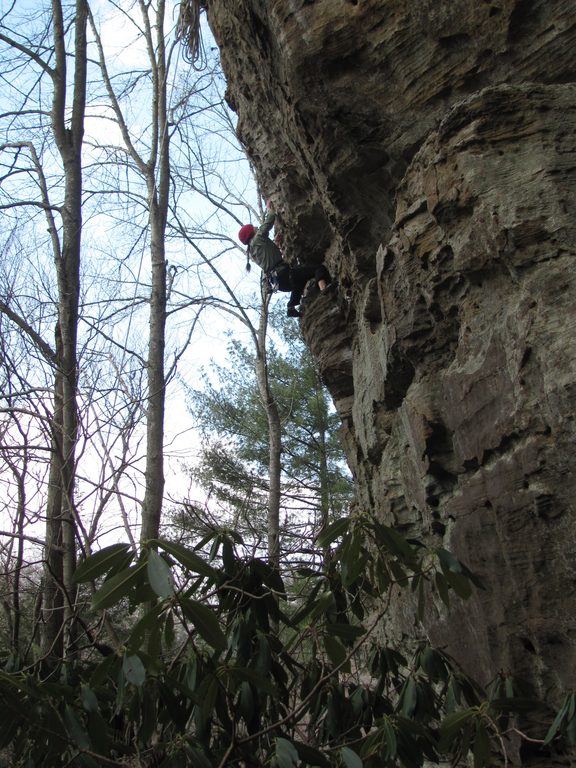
(246,233)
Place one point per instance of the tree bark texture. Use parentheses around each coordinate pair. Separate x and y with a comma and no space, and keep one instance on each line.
(158,183)
(68,130)
(274,437)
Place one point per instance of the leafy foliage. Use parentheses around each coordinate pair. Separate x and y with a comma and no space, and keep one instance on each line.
(234,465)
(225,664)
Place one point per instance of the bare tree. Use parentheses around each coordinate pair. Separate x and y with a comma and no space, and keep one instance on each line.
(274,435)
(258,334)
(103,430)
(64,224)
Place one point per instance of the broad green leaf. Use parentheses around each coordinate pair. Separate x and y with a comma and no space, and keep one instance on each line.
(205,622)
(86,761)
(15,704)
(98,732)
(308,606)
(571,707)
(306,571)
(372,745)
(348,632)
(459,583)
(205,539)
(187,558)
(159,575)
(442,587)
(8,681)
(359,700)
(142,628)
(228,557)
(121,563)
(246,702)
(118,587)
(350,758)
(389,739)
(519,704)
(254,678)
(197,758)
(154,642)
(398,573)
(432,664)
(391,660)
(142,593)
(311,756)
(335,650)
(208,693)
(482,750)
(75,729)
(286,753)
(448,561)
(406,725)
(408,697)
(453,724)
(323,604)
(396,544)
(270,577)
(88,699)
(236,536)
(351,559)
(561,714)
(169,635)
(451,564)
(571,731)
(108,668)
(148,713)
(134,670)
(334,531)
(8,728)
(421,599)
(100,563)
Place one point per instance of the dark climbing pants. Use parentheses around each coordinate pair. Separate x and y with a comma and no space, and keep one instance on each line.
(299,276)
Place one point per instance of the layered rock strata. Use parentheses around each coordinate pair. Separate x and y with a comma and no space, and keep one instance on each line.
(427,152)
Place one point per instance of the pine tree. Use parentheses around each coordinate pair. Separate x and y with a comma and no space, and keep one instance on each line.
(316,486)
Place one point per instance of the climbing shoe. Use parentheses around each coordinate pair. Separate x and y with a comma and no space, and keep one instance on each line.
(293,312)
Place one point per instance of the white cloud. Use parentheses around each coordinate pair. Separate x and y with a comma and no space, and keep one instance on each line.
(121,29)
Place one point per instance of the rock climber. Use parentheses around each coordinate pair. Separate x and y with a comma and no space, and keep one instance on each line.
(264,252)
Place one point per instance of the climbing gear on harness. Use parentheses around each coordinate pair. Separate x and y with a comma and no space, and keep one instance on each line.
(273,283)
(279,278)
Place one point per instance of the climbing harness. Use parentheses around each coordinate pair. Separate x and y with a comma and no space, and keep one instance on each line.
(273,282)
(278,278)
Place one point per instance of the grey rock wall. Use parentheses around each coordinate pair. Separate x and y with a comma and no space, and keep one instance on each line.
(427,152)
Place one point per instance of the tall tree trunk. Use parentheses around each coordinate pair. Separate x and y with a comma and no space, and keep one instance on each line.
(53,598)
(154,477)
(68,128)
(14,610)
(274,437)
(158,181)
(324,479)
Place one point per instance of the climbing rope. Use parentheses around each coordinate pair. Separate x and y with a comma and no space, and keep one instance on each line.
(188,31)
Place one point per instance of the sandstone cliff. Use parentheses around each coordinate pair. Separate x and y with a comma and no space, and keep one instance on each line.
(427,151)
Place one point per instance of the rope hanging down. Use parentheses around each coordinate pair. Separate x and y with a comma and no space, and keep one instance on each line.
(188,30)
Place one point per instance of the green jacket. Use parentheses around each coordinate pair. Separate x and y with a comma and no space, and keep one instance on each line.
(262,250)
